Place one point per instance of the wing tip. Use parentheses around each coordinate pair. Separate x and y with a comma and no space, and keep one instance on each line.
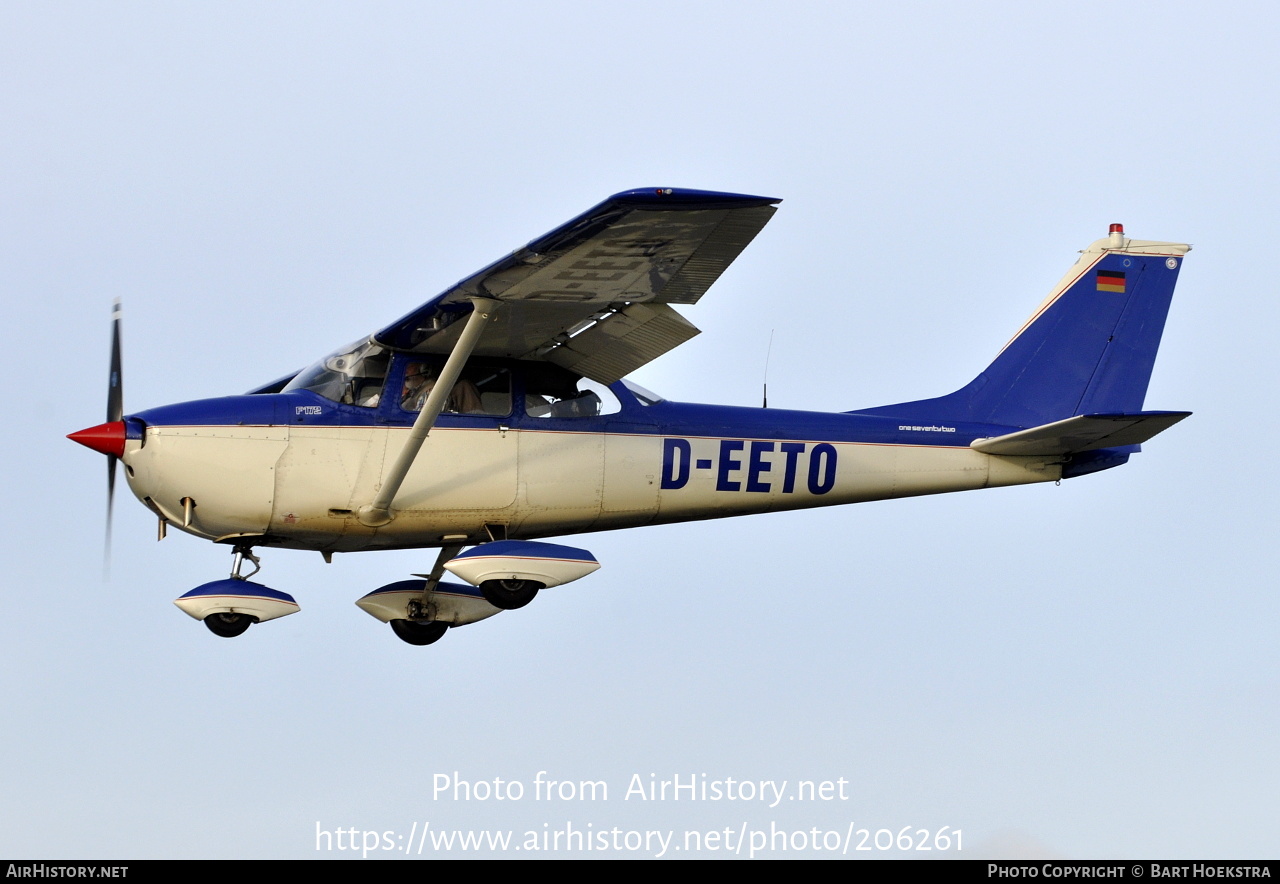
(682,197)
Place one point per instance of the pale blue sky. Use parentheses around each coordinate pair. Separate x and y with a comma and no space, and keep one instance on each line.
(1083,671)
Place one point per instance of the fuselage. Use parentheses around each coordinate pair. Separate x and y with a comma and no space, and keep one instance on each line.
(292,469)
(496,413)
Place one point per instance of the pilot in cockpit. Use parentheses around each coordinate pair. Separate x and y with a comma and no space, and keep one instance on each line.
(420,380)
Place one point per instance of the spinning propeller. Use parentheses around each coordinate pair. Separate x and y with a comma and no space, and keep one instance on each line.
(108,438)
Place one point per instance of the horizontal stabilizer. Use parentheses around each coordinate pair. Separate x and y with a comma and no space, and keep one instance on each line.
(1085,432)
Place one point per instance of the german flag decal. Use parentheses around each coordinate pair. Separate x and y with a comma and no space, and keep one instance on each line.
(1111,281)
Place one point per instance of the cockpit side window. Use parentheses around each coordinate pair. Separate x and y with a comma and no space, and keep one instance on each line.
(586,399)
(351,375)
(480,389)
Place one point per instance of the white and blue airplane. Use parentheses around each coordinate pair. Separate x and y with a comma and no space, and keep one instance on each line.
(498,413)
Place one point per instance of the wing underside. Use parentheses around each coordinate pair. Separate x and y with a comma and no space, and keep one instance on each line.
(595,295)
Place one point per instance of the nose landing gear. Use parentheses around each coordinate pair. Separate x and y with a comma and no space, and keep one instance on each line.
(228,625)
(229,607)
(242,552)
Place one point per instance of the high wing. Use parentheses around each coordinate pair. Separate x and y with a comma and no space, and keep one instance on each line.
(594,294)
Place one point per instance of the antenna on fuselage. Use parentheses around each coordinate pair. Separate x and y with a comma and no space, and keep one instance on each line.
(767,352)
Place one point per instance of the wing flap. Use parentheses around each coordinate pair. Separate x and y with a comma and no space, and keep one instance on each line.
(568,296)
(1085,432)
(622,342)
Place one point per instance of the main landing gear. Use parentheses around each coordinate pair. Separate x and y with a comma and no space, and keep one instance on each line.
(417,632)
(509,594)
(509,573)
(416,613)
(421,611)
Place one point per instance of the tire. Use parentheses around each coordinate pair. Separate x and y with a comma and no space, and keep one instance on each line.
(509,594)
(228,625)
(416,632)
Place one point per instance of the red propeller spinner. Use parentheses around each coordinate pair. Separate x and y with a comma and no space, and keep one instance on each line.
(106,438)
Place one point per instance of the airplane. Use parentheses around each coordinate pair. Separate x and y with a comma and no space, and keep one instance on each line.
(499,413)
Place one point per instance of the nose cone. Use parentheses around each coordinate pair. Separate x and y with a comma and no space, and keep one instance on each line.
(105,438)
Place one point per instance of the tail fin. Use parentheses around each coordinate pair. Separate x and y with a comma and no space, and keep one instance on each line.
(1089,348)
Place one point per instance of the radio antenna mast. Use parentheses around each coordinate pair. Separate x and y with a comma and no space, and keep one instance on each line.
(766,369)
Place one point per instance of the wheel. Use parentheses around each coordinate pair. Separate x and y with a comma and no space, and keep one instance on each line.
(228,625)
(509,594)
(417,632)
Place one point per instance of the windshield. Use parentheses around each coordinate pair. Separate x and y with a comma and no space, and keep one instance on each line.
(352,375)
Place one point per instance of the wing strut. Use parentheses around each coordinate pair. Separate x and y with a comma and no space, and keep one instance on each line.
(379,512)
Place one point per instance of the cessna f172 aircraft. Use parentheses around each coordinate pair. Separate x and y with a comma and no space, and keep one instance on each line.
(498,412)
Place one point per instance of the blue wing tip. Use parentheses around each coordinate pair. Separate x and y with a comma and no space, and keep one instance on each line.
(684,197)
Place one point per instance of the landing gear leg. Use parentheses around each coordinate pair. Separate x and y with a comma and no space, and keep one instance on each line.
(421,627)
(228,624)
(244,551)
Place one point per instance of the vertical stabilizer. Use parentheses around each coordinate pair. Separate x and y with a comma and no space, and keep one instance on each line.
(1089,348)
